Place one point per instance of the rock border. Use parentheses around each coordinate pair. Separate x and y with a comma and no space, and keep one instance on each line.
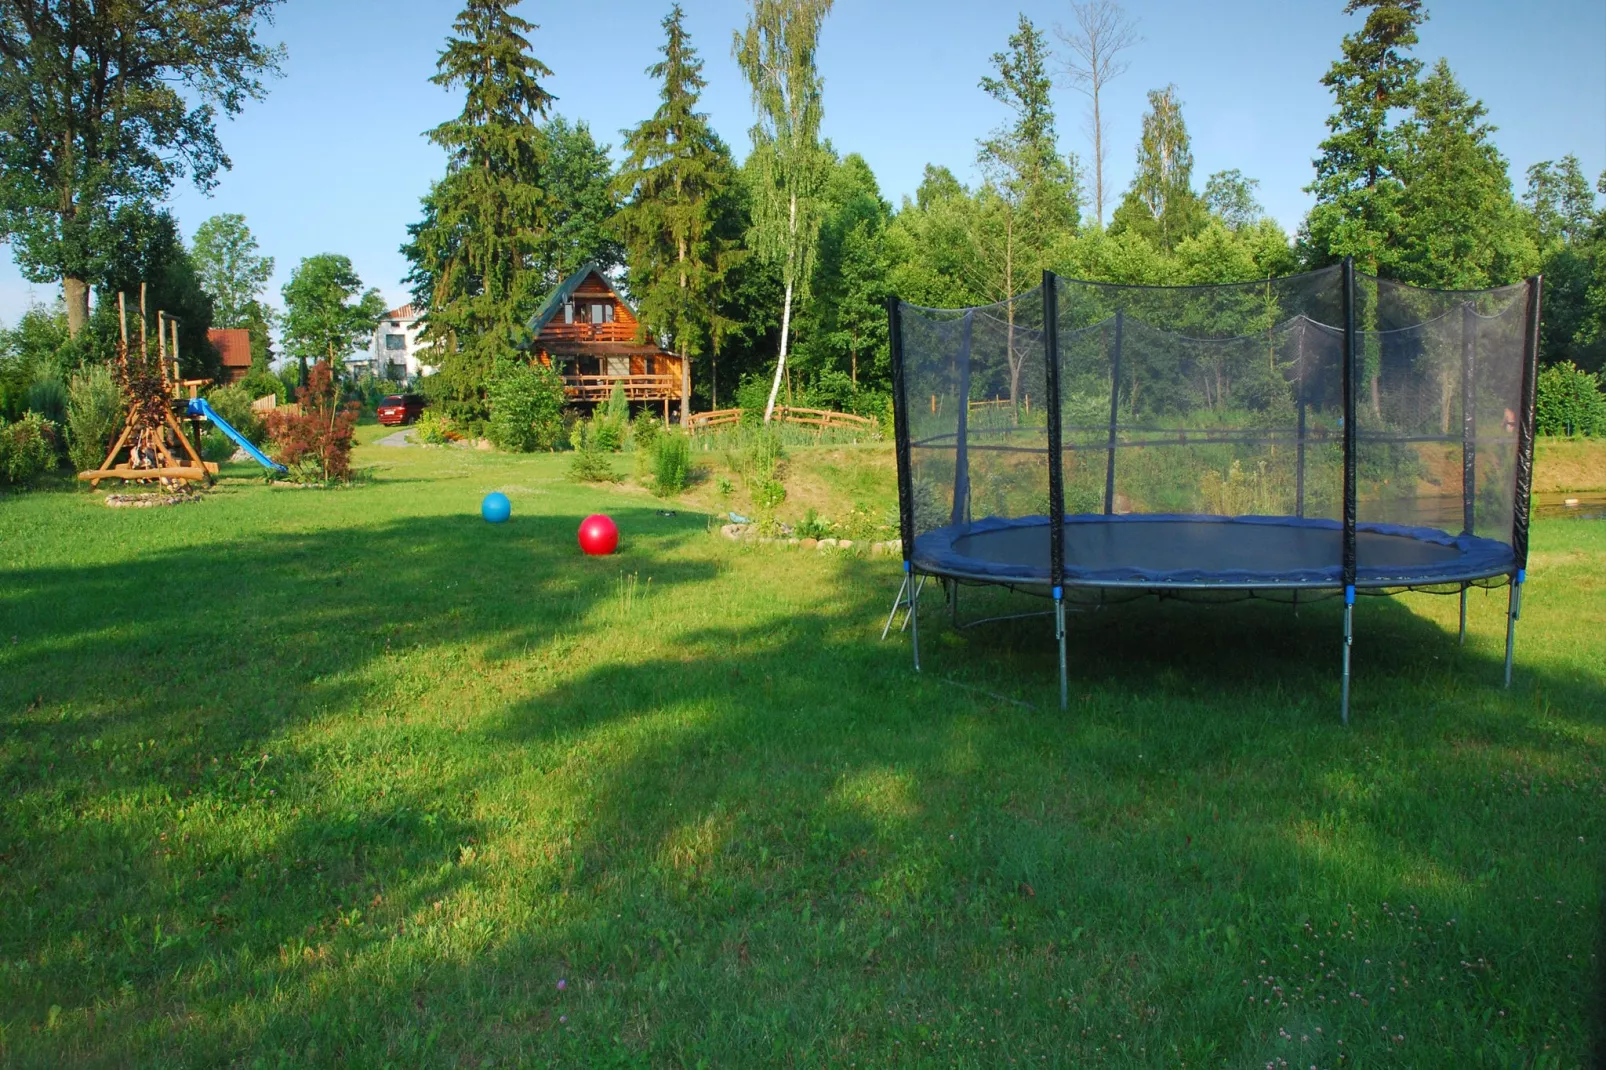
(749,533)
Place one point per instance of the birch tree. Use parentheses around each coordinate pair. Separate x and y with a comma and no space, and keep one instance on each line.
(777,54)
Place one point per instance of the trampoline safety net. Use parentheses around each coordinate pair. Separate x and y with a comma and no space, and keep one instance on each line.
(1324,430)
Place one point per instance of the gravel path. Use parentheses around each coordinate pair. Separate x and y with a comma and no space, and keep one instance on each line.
(400,438)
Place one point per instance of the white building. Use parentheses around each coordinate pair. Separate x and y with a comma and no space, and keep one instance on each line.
(395,352)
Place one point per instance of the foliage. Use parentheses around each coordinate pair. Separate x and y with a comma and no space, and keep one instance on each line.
(233,403)
(1459,227)
(28,449)
(1230,197)
(234,274)
(777,55)
(847,322)
(645,430)
(1161,204)
(107,105)
(327,313)
(618,406)
(96,409)
(578,176)
(1358,189)
(671,184)
(671,464)
(317,440)
(526,401)
(146,250)
(589,463)
(1570,401)
(1103,31)
(47,397)
(474,253)
(435,428)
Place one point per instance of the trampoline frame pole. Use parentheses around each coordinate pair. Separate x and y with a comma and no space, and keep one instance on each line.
(1513,611)
(1349,383)
(1299,462)
(1349,641)
(1462,641)
(1059,637)
(914,618)
(1115,414)
(1469,424)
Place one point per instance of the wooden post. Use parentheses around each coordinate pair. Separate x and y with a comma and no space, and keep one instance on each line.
(144,344)
(685,389)
(177,374)
(122,319)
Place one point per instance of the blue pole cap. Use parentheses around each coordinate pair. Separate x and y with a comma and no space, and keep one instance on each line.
(1349,595)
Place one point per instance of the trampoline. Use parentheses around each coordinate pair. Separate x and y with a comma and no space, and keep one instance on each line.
(1327,432)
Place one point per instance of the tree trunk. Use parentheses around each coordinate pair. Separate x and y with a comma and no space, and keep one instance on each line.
(786,311)
(1098,154)
(75,292)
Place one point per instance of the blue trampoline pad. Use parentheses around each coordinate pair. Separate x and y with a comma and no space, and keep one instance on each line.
(1166,551)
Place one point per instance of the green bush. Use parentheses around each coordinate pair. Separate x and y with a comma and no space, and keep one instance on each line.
(671,465)
(1570,401)
(233,403)
(645,430)
(47,398)
(590,462)
(618,406)
(435,429)
(605,435)
(216,446)
(526,407)
(28,449)
(95,413)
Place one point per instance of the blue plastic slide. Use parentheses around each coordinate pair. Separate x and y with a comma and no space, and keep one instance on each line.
(199,407)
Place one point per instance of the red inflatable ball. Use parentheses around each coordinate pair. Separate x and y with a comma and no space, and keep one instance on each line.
(599,536)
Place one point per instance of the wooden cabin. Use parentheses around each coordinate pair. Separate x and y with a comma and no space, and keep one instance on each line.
(589,334)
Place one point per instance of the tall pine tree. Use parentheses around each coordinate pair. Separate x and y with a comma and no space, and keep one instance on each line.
(1358,189)
(676,170)
(486,221)
(1460,227)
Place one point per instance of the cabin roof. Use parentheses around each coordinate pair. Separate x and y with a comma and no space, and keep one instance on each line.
(233,345)
(555,300)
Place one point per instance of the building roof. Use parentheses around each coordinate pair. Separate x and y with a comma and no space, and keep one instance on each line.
(233,344)
(406,312)
(565,290)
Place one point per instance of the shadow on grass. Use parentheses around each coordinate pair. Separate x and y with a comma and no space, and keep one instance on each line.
(772,844)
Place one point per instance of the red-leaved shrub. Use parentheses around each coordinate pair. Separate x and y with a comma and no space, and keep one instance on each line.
(319,435)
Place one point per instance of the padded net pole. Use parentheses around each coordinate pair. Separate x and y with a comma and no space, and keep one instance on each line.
(1056,468)
(1115,404)
(1349,383)
(1299,462)
(900,427)
(961,510)
(1525,465)
(1469,425)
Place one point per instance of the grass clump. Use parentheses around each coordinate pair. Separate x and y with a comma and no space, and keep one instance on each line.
(671,455)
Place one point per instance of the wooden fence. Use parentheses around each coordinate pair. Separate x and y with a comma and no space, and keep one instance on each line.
(817,418)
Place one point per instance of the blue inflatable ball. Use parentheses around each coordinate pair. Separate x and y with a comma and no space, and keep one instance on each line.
(496,508)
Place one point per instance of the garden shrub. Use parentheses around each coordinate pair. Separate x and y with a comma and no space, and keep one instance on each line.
(605,435)
(28,449)
(233,403)
(671,465)
(526,407)
(1569,401)
(590,463)
(618,406)
(215,446)
(645,430)
(316,442)
(95,413)
(47,397)
(435,429)
(752,394)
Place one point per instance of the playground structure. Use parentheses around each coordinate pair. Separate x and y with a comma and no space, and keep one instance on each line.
(153,444)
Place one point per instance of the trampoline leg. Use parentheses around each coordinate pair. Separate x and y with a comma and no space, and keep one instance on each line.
(1296,601)
(1463,640)
(1513,612)
(918,586)
(953,600)
(1059,635)
(897,604)
(914,621)
(1349,640)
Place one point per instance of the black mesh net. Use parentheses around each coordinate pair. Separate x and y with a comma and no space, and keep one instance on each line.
(1214,402)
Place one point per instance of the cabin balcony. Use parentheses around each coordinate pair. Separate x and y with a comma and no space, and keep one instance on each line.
(599,388)
(559,332)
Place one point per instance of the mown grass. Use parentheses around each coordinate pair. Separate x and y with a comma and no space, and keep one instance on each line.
(298,778)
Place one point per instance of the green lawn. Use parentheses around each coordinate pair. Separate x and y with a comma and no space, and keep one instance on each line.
(352,778)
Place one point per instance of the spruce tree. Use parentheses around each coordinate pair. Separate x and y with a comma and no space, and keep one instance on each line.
(1460,227)
(676,169)
(1358,189)
(485,221)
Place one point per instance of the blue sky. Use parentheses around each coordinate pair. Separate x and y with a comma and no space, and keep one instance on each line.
(334,159)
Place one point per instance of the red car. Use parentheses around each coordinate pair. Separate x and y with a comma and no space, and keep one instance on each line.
(400,409)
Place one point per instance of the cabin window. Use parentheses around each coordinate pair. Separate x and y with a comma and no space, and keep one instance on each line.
(568,312)
(596,315)
(618,365)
